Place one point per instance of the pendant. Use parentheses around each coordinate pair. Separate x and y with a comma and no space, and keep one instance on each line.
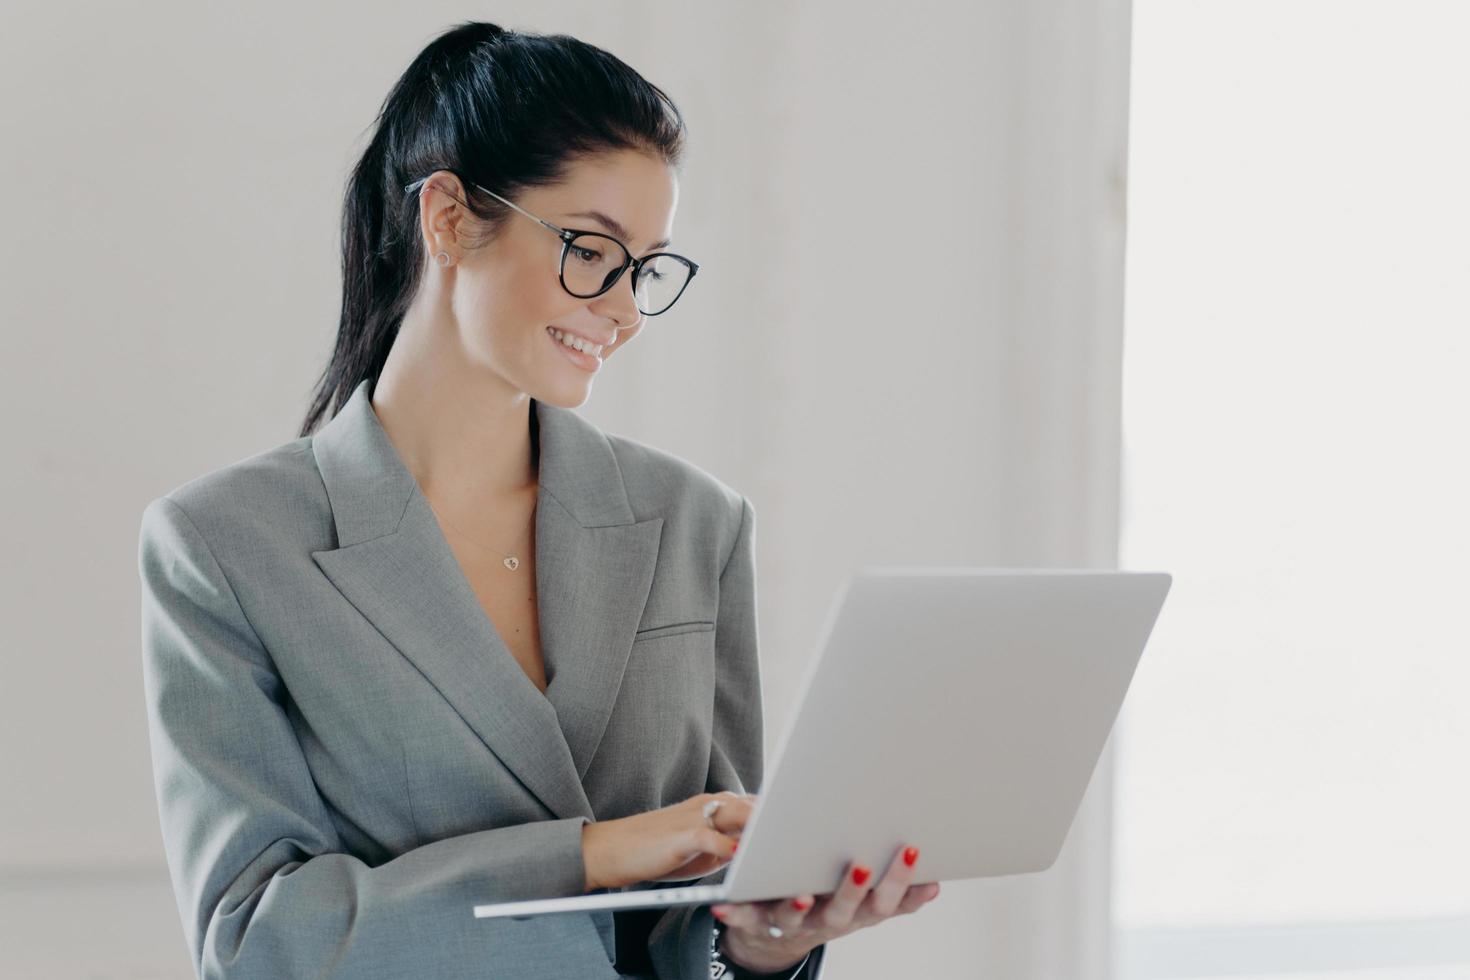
(512,563)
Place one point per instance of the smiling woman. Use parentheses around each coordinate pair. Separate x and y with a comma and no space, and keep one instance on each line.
(424,654)
(457,644)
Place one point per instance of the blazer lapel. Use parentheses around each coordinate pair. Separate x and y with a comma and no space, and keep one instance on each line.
(594,567)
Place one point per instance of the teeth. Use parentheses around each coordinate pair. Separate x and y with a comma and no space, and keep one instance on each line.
(576,343)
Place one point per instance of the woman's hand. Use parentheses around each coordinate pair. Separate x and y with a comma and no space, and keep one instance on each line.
(671,844)
(806,923)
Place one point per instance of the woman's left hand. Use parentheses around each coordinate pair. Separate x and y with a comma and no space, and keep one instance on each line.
(806,923)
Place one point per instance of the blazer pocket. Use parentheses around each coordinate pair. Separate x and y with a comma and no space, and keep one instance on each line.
(674,629)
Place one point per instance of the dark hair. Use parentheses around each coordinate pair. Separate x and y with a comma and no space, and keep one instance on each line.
(502,108)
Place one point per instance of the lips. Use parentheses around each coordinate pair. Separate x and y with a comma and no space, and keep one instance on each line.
(583,359)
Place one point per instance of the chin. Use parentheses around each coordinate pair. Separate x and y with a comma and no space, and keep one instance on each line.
(563,396)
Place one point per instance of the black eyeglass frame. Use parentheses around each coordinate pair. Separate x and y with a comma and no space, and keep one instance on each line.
(567,235)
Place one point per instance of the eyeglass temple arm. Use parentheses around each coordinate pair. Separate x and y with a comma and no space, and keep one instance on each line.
(560,231)
(418,184)
(693,266)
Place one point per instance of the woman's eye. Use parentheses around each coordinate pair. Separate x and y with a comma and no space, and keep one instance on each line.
(587,254)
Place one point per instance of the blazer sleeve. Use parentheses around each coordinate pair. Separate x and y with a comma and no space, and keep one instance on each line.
(263,883)
(679,944)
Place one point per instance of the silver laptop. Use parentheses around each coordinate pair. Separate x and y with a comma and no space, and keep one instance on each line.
(962,710)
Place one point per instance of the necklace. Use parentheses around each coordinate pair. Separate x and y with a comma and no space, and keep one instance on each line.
(511,561)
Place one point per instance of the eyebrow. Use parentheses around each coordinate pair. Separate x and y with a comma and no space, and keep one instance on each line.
(612,225)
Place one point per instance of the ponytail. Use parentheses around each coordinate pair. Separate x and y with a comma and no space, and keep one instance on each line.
(508,109)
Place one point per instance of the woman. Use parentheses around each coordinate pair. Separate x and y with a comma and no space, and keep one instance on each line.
(458,645)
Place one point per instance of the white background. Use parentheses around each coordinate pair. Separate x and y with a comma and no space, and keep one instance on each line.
(1297,391)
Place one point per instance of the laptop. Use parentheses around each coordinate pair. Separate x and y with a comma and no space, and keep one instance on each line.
(959,709)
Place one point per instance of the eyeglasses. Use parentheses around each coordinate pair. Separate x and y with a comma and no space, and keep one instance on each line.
(597,261)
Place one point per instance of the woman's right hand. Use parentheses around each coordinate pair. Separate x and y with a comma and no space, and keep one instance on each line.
(674,843)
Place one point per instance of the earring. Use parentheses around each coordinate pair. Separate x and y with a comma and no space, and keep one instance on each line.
(443,259)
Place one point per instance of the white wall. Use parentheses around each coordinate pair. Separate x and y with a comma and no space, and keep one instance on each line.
(1294,454)
(904,345)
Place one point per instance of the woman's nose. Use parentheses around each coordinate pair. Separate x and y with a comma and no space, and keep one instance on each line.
(619,303)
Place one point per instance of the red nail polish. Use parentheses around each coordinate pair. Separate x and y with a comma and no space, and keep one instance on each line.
(860,875)
(718,914)
(910,855)
(801,905)
(732,848)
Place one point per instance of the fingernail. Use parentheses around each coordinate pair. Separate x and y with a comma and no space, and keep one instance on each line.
(910,855)
(800,904)
(718,914)
(732,848)
(860,875)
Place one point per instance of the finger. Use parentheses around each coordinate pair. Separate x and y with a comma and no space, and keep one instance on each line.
(790,913)
(886,895)
(917,896)
(732,817)
(730,794)
(740,915)
(837,912)
(703,840)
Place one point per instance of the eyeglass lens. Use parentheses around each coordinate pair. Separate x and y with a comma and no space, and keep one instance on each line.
(592,260)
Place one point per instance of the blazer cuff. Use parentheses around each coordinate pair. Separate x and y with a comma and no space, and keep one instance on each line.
(540,859)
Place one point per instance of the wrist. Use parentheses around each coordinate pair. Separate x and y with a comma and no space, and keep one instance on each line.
(756,957)
(590,834)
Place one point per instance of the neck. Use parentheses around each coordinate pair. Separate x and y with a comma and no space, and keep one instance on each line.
(462,431)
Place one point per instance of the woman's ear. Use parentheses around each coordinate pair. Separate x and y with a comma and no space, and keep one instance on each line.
(441,215)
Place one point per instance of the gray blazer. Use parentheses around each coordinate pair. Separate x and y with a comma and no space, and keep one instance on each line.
(346,756)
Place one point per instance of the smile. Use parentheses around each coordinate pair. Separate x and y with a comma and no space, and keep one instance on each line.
(576,343)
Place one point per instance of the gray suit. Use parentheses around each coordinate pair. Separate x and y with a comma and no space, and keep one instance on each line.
(347,757)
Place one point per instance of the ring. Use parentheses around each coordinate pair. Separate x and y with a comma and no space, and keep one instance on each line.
(709,812)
